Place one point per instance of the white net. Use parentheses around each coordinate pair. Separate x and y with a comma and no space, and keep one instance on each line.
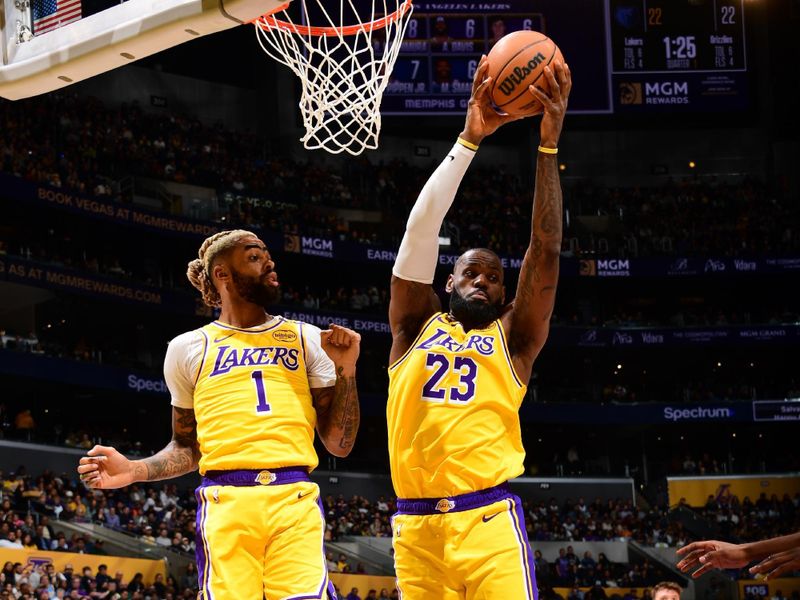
(343,65)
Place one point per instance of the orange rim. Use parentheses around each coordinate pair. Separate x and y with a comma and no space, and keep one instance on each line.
(270,22)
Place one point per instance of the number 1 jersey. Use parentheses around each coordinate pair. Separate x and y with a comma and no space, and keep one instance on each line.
(453,412)
(250,390)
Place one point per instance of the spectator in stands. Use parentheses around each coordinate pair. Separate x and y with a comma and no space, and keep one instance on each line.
(343,566)
(666,590)
(575,593)
(159,586)
(136,584)
(112,518)
(353,595)
(86,579)
(333,566)
(147,536)
(563,571)
(541,566)
(102,577)
(189,579)
(163,538)
(25,424)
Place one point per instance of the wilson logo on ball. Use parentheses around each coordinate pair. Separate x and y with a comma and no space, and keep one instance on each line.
(519,74)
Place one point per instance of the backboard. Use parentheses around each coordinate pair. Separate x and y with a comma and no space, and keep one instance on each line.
(35,63)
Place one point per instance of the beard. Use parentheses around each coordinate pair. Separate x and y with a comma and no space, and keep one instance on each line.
(256,290)
(472,312)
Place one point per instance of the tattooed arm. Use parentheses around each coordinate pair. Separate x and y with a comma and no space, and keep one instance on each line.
(105,468)
(338,412)
(528,323)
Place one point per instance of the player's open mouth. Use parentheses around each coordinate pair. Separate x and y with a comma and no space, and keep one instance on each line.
(272,279)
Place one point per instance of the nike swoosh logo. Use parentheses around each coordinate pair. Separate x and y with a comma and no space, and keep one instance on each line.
(302,495)
(222,339)
(451,157)
(487,519)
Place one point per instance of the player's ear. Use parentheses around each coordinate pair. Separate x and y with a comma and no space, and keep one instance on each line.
(221,272)
(448,287)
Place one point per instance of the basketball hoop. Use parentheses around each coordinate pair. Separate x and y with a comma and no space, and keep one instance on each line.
(343,67)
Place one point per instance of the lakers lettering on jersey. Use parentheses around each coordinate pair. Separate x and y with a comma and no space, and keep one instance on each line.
(452,412)
(251,392)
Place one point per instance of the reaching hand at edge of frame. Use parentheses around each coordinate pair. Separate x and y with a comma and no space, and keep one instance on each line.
(559,78)
(711,554)
(105,468)
(482,118)
(778,564)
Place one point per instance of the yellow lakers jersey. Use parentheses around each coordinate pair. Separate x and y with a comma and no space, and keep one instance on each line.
(452,412)
(252,399)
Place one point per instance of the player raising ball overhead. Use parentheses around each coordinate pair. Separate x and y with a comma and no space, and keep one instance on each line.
(457,377)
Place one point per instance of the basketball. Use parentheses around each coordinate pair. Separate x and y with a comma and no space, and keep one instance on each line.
(517,61)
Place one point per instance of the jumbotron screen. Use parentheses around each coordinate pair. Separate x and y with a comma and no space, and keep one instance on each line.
(626,56)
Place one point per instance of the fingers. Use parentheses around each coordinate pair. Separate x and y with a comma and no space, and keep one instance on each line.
(552,74)
(339,336)
(688,548)
(702,570)
(691,559)
(566,84)
(100,450)
(480,73)
(774,565)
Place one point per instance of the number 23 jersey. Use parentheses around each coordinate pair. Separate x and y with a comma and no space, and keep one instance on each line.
(453,412)
(251,392)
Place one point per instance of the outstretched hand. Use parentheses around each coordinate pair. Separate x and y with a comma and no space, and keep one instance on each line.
(778,564)
(711,554)
(482,118)
(559,78)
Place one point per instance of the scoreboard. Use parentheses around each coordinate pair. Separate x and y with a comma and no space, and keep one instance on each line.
(444,42)
(678,55)
(626,56)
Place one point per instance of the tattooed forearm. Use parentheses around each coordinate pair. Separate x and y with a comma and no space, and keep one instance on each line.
(547,209)
(180,456)
(345,409)
(339,414)
(174,460)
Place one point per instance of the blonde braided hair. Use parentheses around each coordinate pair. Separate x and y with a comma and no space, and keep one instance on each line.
(199,269)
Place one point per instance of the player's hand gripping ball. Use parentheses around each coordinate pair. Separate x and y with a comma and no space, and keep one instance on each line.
(516,62)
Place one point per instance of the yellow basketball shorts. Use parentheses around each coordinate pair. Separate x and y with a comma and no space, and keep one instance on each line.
(260,535)
(468,547)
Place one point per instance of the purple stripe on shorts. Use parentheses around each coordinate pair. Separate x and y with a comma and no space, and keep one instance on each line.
(437,506)
(201,552)
(522,535)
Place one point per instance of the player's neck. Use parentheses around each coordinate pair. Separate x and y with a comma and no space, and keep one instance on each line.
(467,325)
(243,314)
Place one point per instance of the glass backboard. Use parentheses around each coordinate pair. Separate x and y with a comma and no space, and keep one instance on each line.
(49,44)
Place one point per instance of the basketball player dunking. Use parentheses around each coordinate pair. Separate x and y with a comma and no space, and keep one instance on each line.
(247,391)
(457,378)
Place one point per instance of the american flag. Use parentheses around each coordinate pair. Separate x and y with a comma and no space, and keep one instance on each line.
(52,14)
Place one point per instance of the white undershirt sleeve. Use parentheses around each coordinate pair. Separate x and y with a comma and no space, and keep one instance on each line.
(419,250)
(320,368)
(180,367)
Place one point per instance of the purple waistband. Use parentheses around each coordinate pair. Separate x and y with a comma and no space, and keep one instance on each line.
(253,477)
(437,506)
